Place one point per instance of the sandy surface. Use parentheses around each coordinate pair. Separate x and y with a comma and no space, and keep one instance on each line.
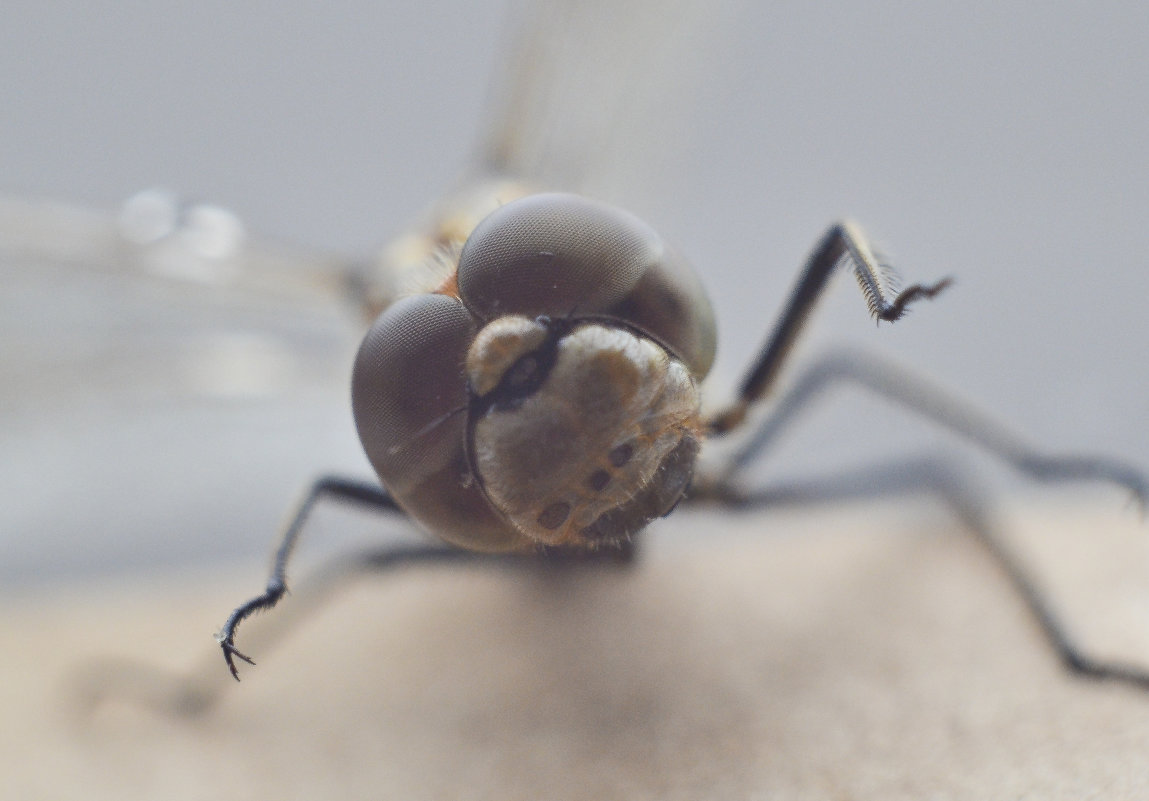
(871,652)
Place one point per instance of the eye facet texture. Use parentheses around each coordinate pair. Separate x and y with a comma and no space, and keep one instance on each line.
(562,255)
(409,396)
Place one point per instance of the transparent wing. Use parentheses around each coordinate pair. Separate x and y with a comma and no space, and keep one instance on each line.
(593,95)
(156,236)
(590,98)
(153,421)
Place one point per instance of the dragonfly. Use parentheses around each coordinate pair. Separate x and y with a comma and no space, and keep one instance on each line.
(486,408)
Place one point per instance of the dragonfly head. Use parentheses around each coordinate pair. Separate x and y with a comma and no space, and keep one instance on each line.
(548,393)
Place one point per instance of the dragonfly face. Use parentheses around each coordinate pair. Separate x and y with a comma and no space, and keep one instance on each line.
(547,391)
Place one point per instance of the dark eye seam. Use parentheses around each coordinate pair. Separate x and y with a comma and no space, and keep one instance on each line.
(527,374)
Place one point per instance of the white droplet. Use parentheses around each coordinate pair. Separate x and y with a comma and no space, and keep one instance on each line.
(149,216)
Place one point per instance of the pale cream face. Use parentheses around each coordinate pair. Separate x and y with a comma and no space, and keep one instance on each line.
(604,440)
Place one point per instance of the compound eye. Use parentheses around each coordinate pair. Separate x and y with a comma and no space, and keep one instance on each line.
(407,383)
(409,395)
(554,255)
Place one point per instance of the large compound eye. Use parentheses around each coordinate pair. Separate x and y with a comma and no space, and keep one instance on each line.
(409,395)
(554,255)
(564,256)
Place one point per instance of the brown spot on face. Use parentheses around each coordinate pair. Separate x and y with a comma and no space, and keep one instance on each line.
(598,480)
(554,515)
(621,455)
(652,501)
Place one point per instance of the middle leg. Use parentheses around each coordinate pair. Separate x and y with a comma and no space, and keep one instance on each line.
(967,502)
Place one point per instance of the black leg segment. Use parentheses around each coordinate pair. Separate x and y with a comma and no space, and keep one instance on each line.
(962,497)
(843,245)
(331,487)
(933,403)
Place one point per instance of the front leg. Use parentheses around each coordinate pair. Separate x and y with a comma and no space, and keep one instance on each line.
(333,487)
(843,244)
(377,499)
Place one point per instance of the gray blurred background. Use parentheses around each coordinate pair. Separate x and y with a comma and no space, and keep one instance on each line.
(148,426)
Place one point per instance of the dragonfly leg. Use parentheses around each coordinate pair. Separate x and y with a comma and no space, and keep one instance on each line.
(965,500)
(844,245)
(197,691)
(331,487)
(376,498)
(920,396)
